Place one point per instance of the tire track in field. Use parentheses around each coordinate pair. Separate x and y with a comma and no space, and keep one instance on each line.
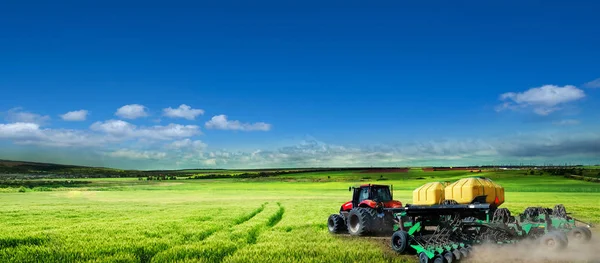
(245,218)
(257,230)
(213,244)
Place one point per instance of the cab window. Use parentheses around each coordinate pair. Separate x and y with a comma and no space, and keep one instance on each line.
(364,194)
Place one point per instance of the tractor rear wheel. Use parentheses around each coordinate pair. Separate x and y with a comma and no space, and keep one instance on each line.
(359,221)
(336,224)
(580,235)
(400,241)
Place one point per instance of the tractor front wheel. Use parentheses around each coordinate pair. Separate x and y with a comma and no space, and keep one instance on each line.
(580,235)
(400,242)
(359,222)
(336,224)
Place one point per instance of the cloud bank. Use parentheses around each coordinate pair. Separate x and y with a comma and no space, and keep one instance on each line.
(542,100)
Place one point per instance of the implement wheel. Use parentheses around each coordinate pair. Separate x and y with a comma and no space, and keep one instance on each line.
(438,259)
(553,241)
(359,221)
(336,224)
(400,242)
(580,235)
(449,257)
(423,258)
(457,254)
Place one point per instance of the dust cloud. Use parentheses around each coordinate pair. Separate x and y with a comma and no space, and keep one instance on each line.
(530,252)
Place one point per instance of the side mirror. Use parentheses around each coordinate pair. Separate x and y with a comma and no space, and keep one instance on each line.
(350,189)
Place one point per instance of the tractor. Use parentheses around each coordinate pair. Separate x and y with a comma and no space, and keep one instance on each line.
(366,213)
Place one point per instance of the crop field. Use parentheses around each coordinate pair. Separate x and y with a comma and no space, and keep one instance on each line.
(274,219)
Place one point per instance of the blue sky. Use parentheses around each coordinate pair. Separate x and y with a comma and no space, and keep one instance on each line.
(268,84)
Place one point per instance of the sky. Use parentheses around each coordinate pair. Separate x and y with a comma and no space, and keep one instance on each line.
(231,84)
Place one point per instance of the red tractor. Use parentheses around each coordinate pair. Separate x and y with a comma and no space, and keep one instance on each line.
(364,215)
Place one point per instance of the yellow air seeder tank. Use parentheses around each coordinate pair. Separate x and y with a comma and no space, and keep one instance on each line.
(429,194)
(465,190)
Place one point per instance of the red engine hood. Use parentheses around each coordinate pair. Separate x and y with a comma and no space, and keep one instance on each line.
(389,204)
(392,204)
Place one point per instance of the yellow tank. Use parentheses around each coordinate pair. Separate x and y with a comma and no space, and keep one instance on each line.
(429,194)
(465,190)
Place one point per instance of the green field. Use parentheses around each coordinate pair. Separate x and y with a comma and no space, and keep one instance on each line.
(275,219)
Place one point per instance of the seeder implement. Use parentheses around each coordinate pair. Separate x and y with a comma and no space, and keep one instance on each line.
(439,229)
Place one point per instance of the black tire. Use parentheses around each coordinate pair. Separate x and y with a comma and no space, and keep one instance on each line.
(553,242)
(580,235)
(400,242)
(380,225)
(457,254)
(423,258)
(359,222)
(438,259)
(464,253)
(587,230)
(562,235)
(448,257)
(336,224)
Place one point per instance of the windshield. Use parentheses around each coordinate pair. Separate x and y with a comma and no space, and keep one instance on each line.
(381,195)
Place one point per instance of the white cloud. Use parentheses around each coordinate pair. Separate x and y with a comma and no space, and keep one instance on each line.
(138,155)
(210,162)
(17,115)
(593,84)
(19,130)
(566,122)
(30,133)
(114,127)
(184,111)
(187,144)
(121,128)
(78,115)
(220,122)
(543,100)
(132,111)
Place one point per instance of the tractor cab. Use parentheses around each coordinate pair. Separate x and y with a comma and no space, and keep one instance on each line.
(371,195)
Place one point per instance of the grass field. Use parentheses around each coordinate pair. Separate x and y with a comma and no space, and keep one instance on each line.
(278,219)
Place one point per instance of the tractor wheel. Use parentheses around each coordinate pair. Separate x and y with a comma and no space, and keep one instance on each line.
(464,253)
(580,235)
(449,257)
(423,258)
(359,221)
(336,224)
(400,242)
(553,241)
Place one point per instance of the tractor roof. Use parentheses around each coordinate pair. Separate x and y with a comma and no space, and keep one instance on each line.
(374,185)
